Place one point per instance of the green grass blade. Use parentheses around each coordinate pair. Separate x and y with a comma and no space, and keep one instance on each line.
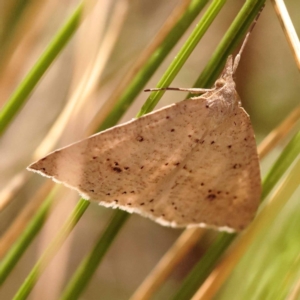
(20,95)
(142,77)
(183,55)
(31,279)
(281,165)
(14,254)
(9,27)
(90,264)
(232,37)
(204,266)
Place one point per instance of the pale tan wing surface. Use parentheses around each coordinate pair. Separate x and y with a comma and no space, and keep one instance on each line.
(122,166)
(187,164)
(193,163)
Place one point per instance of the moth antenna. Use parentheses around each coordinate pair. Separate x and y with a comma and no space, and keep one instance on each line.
(238,56)
(190,90)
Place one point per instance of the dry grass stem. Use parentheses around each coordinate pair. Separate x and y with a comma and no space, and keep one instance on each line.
(295,293)
(288,28)
(89,80)
(21,221)
(280,132)
(13,187)
(110,103)
(167,263)
(24,41)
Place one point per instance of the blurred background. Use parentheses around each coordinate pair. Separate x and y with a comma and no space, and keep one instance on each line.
(267,82)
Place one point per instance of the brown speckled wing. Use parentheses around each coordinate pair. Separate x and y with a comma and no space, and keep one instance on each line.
(193,163)
(185,165)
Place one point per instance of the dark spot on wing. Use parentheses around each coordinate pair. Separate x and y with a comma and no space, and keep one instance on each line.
(212,142)
(92,191)
(124,192)
(139,138)
(151,200)
(229,146)
(116,169)
(236,166)
(167,117)
(116,163)
(126,168)
(172,130)
(211,197)
(152,210)
(173,187)
(142,203)
(142,167)
(108,194)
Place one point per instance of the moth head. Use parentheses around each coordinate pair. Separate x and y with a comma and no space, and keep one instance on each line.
(226,75)
(220,83)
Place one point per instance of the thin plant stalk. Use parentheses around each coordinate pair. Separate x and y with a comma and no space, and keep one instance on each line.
(183,55)
(9,261)
(75,216)
(25,88)
(141,78)
(90,264)
(288,29)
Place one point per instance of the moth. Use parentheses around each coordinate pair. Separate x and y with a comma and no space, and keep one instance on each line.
(192,163)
